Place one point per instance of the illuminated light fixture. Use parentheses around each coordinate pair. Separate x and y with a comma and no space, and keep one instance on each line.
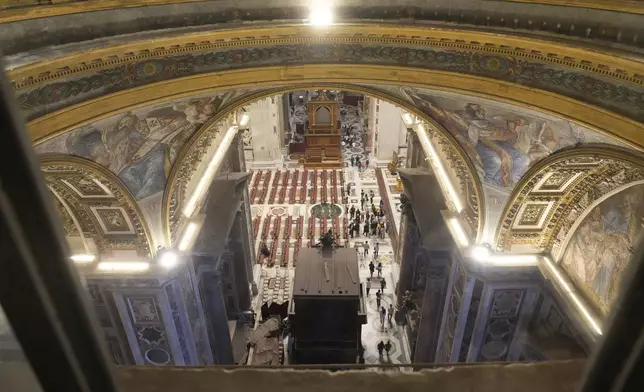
(188,236)
(438,166)
(123,266)
(321,15)
(169,259)
(510,260)
(564,284)
(83,258)
(480,253)
(245,118)
(459,233)
(408,119)
(209,173)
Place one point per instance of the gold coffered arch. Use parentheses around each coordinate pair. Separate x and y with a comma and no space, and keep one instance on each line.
(191,153)
(93,202)
(558,190)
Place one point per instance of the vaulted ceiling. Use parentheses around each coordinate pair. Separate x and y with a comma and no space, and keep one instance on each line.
(522,122)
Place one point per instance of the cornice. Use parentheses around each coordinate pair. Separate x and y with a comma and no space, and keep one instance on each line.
(604,121)
(555,53)
(31,11)
(632,7)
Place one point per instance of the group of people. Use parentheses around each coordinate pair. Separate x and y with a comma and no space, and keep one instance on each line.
(372,224)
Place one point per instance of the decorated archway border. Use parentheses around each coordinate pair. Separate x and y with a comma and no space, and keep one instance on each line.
(98,203)
(552,195)
(190,154)
(629,131)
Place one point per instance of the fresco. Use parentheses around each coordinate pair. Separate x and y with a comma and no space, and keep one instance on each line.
(140,146)
(503,141)
(601,247)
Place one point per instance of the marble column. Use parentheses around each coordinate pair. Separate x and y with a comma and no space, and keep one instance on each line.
(245,232)
(434,280)
(210,287)
(239,245)
(159,319)
(407,250)
(506,306)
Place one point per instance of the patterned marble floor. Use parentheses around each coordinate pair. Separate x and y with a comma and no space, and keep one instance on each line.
(276,281)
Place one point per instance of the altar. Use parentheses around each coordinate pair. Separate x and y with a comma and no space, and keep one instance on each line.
(322,133)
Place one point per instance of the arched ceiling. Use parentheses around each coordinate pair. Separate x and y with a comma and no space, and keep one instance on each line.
(93,204)
(558,191)
(549,76)
(489,145)
(502,103)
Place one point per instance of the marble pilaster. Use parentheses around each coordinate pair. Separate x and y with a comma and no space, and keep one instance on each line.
(407,250)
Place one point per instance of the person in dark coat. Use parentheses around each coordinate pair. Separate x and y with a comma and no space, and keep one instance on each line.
(388,347)
(352,211)
(383,284)
(378,298)
(372,268)
(381,347)
(366,228)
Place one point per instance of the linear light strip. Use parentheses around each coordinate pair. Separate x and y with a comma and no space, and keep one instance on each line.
(205,180)
(458,232)
(123,266)
(568,290)
(436,163)
(188,236)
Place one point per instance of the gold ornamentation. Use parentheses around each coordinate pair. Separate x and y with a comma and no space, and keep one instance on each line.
(602,64)
(603,121)
(118,213)
(532,214)
(628,6)
(603,169)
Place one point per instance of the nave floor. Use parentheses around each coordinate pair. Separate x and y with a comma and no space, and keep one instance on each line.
(281,207)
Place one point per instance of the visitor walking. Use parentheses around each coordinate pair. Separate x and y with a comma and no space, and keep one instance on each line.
(366,248)
(351,227)
(378,298)
(382,284)
(376,248)
(366,228)
(388,347)
(379,268)
(367,162)
(352,211)
(383,313)
(390,312)
(381,347)
(371,268)
(368,285)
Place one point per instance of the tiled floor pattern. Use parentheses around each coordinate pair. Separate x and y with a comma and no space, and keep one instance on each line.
(276,280)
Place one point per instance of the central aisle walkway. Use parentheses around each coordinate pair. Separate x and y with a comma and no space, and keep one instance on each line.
(282,205)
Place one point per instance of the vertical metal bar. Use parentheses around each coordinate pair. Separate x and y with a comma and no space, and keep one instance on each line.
(39,287)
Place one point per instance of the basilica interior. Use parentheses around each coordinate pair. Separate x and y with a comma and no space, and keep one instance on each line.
(378,187)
